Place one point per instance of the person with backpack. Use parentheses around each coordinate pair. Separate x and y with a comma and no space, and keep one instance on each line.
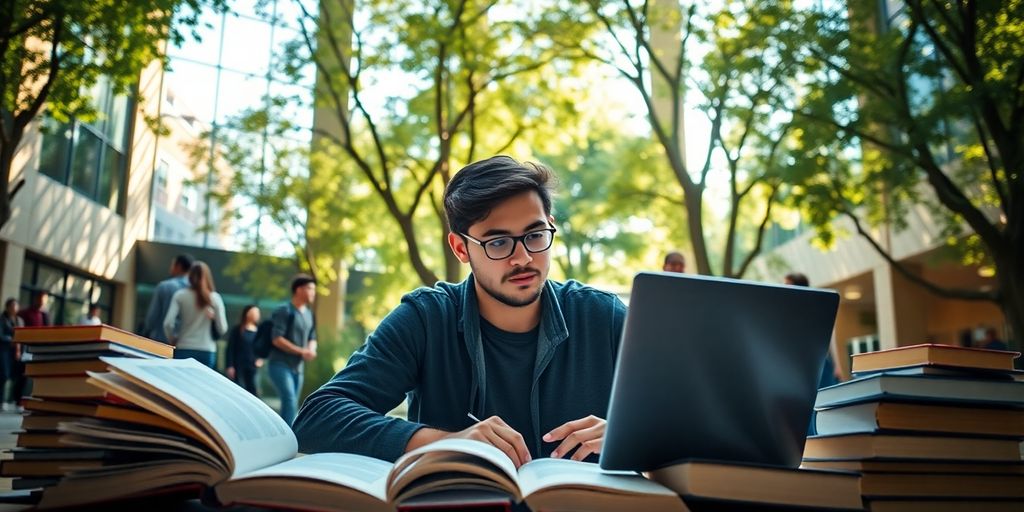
(201,312)
(241,362)
(292,342)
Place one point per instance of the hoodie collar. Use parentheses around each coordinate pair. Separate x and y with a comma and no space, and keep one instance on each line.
(552,322)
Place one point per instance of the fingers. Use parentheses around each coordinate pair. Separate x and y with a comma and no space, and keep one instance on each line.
(495,431)
(500,443)
(588,448)
(570,427)
(511,436)
(587,433)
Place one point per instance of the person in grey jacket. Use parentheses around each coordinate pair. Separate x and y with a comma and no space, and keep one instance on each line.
(198,308)
(532,358)
(161,301)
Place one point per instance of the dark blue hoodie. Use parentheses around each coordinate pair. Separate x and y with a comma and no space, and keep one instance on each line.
(429,350)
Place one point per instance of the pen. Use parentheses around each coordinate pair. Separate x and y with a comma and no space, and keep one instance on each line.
(474,418)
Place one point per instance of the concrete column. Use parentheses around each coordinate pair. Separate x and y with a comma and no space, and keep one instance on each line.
(330,307)
(666,37)
(901,307)
(12,261)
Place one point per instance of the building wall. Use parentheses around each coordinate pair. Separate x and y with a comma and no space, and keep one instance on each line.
(54,222)
(894,308)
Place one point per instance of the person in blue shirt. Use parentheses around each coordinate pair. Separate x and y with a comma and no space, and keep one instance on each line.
(153,328)
(533,358)
(992,341)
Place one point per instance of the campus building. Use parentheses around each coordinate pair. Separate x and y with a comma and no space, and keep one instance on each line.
(101,203)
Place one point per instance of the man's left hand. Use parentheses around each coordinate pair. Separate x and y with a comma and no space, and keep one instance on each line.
(587,433)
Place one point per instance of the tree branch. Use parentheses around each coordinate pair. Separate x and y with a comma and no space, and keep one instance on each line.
(25,116)
(905,272)
(760,234)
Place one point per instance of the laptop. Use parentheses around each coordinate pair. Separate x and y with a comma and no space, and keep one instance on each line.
(716,369)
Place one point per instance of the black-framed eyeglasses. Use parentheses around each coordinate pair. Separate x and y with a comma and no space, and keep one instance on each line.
(502,247)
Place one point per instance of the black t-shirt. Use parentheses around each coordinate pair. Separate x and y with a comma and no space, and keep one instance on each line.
(509,359)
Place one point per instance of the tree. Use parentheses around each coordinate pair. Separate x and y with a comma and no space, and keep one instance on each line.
(458,63)
(605,229)
(743,84)
(53,50)
(929,109)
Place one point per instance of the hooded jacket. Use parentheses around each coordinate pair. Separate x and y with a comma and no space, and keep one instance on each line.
(429,351)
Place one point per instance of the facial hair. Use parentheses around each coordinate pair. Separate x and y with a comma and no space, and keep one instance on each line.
(506,299)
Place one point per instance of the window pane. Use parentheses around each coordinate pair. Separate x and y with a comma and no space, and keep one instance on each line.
(53,158)
(103,294)
(27,270)
(111,177)
(239,92)
(99,97)
(50,279)
(85,161)
(77,288)
(190,90)
(116,126)
(205,49)
(72,312)
(246,45)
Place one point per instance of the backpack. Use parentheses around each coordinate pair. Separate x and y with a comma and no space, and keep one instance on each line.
(264,341)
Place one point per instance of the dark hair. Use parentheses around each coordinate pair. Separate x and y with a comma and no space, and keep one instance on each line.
(245,314)
(184,262)
(797,279)
(200,279)
(93,305)
(674,254)
(481,186)
(301,280)
(9,301)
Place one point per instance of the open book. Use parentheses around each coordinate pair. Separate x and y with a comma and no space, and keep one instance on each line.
(244,451)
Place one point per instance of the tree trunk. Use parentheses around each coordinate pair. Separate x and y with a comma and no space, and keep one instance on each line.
(692,199)
(1010,276)
(427,277)
(6,161)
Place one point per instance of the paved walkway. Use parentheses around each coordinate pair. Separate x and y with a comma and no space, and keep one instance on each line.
(10,422)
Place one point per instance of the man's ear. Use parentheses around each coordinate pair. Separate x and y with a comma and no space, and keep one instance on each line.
(458,245)
(551,220)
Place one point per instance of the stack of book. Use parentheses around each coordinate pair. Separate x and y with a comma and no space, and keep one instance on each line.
(930,427)
(57,360)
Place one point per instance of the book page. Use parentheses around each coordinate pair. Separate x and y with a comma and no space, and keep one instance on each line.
(541,474)
(453,455)
(253,434)
(364,474)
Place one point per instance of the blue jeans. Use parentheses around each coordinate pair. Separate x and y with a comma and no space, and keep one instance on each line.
(288,383)
(207,358)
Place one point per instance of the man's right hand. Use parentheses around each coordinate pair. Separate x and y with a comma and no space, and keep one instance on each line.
(496,432)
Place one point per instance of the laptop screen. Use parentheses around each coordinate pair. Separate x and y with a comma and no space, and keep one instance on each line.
(716,369)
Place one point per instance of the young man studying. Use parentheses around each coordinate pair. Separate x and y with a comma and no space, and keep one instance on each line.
(532,358)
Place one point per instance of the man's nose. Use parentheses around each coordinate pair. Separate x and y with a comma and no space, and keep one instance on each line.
(520,256)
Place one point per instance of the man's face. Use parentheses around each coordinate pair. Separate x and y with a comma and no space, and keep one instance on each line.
(518,279)
(674,265)
(308,292)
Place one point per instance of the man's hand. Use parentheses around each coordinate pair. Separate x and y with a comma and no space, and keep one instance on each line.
(230,372)
(587,433)
(496,432)
(259,363)
(308,354)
